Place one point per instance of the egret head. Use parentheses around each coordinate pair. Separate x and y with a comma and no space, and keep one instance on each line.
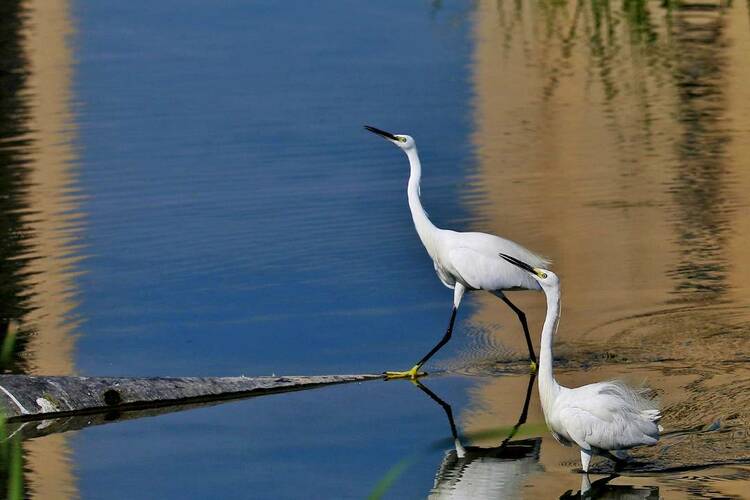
(546,278)
(404,142)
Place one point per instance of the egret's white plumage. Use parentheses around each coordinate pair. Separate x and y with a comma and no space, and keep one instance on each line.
(471,259)
(599,418)
(464,261)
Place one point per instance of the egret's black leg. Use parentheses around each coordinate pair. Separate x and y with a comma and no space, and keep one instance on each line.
(522,319)
(620,462)
(442,342)
(414,372)
(458,293)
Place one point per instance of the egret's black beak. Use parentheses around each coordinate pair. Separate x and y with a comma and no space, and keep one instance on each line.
(523,265)
(381,133)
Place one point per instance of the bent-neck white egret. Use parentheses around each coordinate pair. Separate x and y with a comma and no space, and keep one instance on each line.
(463,261)
(600,418)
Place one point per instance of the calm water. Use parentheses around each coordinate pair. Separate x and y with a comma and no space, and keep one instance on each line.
(187,189)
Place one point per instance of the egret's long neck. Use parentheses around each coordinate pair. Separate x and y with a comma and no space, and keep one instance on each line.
(426,229)
(548,386)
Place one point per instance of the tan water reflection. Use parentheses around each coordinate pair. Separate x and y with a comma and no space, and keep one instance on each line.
(613,138)
(40,211)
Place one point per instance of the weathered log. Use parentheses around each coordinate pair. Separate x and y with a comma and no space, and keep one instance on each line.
(26,397)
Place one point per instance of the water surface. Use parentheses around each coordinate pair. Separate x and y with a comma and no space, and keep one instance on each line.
(187,190)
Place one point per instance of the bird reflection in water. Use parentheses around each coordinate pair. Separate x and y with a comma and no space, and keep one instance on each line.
(602,489)
(494,472)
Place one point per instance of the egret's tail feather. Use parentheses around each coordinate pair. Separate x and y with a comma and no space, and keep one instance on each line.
(639,399)
(654,415)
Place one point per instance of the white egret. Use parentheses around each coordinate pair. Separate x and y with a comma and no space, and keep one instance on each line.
(600,418)
(463,261)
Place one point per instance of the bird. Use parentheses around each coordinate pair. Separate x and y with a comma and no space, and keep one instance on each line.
(603,418)
(464,261)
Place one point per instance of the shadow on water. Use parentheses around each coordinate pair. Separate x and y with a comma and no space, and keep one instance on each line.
(602,489)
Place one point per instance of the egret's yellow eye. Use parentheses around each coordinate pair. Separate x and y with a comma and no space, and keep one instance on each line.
(402,139)
(543,275)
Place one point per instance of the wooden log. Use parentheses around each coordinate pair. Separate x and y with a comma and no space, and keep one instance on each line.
(26,397)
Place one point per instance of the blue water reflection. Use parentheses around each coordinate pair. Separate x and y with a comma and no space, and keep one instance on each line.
(336,442)
(240,219)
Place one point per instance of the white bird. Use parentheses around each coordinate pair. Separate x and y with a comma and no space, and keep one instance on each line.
(600,418)
(463,261)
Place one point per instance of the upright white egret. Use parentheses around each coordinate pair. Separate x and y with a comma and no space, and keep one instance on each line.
(463,261)
(600,418)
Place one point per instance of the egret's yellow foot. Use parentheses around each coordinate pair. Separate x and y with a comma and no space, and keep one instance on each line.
(413,374)
(532,367)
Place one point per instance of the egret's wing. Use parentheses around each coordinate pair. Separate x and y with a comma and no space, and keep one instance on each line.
(578,424)
(490,245)
(488,272)
(560,438)
(444,276)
